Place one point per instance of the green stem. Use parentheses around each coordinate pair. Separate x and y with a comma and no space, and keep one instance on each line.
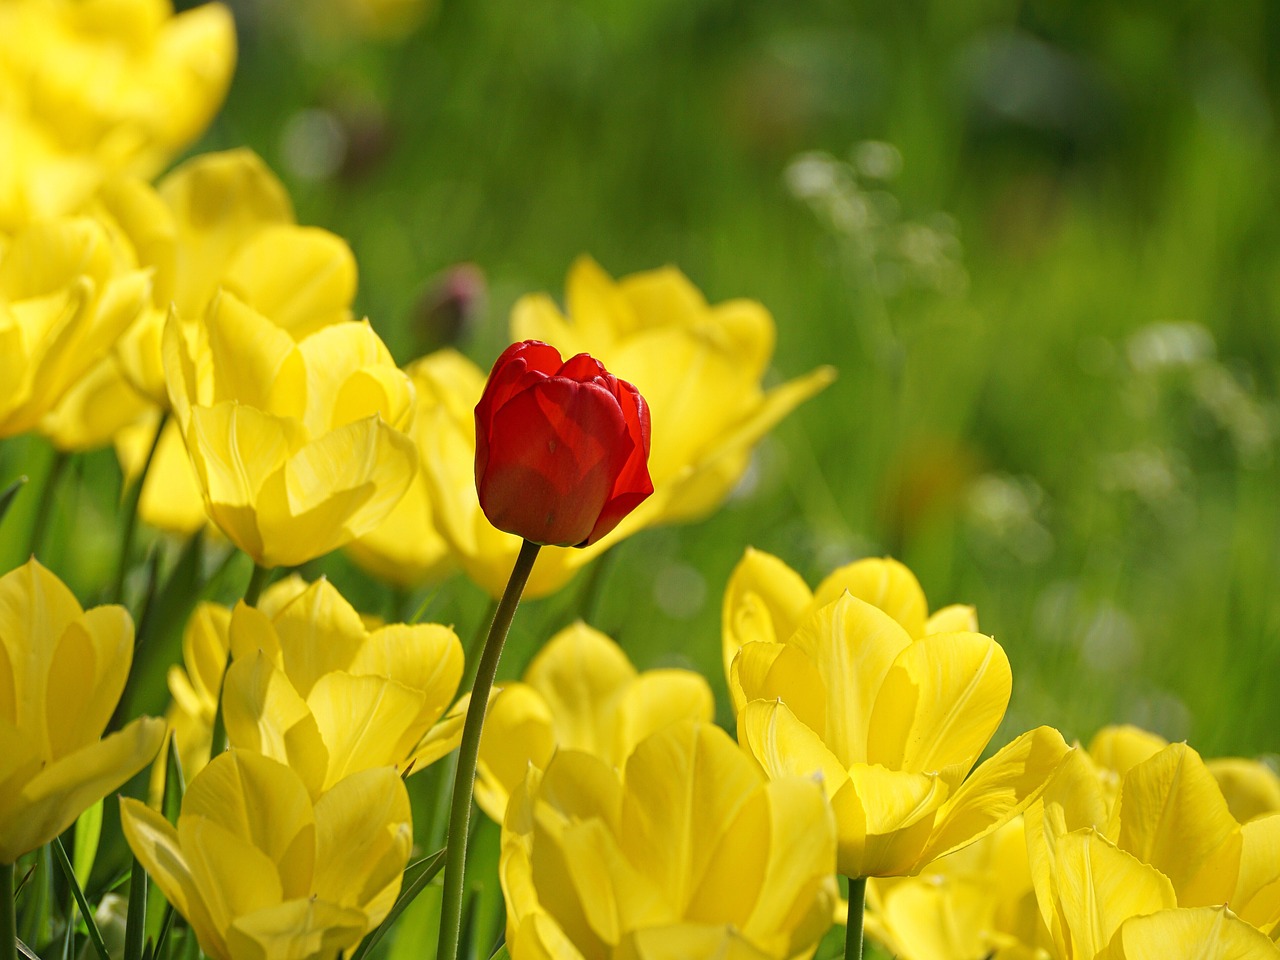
(136,918)
(465,777)
(256,582)
(853,929)
(476,646)
(131,514)
(8,915)
(45,509)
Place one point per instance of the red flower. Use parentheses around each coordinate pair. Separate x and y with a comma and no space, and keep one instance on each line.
(562,449)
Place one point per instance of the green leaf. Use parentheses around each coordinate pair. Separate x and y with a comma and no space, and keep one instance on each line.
(136,918)
(501,953)
(426,868)
(88,832)
(175,782)
(95,935)
(9,492)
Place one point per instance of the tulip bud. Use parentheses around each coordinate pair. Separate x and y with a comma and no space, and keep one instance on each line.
(562,449)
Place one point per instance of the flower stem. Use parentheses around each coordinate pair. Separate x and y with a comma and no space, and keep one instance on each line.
(465,777)
(131,514)
(256,582)
(853,930)
(44,510)
(8,915)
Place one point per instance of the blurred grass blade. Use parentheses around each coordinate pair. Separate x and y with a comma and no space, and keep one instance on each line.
(27,951)
(428,867)
(9,492)
(88,833)
(95,935)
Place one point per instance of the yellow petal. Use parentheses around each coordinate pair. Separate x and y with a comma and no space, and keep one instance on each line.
(940,704)
(683,785)
(580,674)
(1173,816)
(363,839)
(364,722)
(518,731)
(681,940)
(246,805)
(899,809)
(351,376)
(1098,887)
(657,699)
(853,645)
(303,929)
(883,583)
(1121,748)
(154,842)
(763,602)
(219,200)
(87,676)
(1212,933)
(778,671)
(319,632)
(957,618)
(52,800)
(1251,788)
(1257,893)
(425,657)
(784,747)
(254,362)
(302,278)
(997,791)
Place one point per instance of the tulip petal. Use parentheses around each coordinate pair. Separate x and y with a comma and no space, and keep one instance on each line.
(657,699)
(320,632)
(424,657)
(301,929)
(883,583)
(684,785)
(997,791)
(1121,748)
(779,671)
(957,618)
(87,676)
(763,601)
(365,722)
(303,278)
(1173,816)
(155,843)
(580,674)
(1250,787)
(1209,932)
(1098,887)
(1257,894)
(940,703)
(853,645)
(785,747)
(62,790)
(254,362)
(245,802)
(363,840)
(680,941)
(518,731)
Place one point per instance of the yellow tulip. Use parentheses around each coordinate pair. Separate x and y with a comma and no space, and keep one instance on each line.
(312,687)
(579,693)
(891,723)
(66,293)
(296,444)
(1103,903)
(687,852)
(1168,813)
(699,368)
(262,871)
(766,600)
(1251,788)
(90,89)
(62,669)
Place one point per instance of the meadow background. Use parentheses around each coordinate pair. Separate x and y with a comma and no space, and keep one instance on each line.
(1038,240)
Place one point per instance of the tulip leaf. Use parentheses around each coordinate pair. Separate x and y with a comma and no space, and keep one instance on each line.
(136,918)
(428,867)
(175,783)
(27,952)
(95,935)
(501,953)
(9,492)
(88,832)
(153,949)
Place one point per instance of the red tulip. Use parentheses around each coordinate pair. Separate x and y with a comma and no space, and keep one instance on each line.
(562,449)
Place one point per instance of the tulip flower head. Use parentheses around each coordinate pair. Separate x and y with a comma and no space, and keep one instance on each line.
(891,717)
(61,672)
(261,870)
(562,448)
(686,852)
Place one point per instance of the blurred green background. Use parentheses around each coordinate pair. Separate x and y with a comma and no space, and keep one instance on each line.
(1038,240)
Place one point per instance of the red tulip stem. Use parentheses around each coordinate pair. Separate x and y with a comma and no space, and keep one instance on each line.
(853,929)
(469,750)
